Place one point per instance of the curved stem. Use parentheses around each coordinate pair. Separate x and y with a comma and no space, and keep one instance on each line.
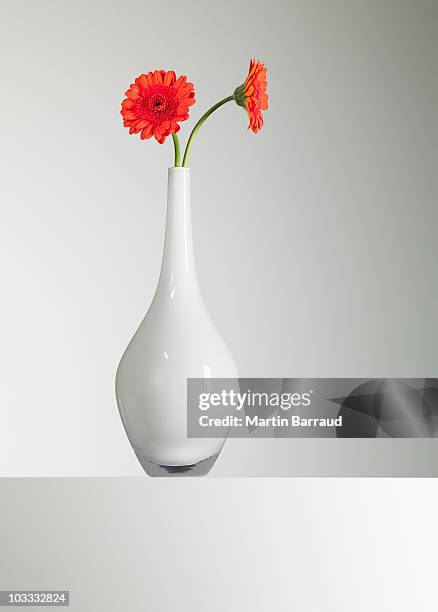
(177,151)
(198,125)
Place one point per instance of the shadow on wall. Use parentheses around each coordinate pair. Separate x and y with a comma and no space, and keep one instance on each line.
(389,408)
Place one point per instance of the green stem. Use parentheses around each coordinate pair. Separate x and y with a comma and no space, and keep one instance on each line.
(198,125)
(177,151)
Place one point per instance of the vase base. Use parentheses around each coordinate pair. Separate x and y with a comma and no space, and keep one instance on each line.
(201,468)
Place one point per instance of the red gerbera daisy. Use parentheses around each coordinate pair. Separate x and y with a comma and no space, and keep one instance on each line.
(252,94)
(155,103)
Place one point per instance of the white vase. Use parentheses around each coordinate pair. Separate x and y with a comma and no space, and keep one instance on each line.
(176,340)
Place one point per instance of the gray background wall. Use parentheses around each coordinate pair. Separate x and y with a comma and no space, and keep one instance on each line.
(325,268)
(315,240)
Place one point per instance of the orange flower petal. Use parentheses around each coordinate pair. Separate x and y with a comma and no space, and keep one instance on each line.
(180,81)
(147,132)
(144,80)
(158,76)
(150,79)
(141,124)
(130,93)
(169,78)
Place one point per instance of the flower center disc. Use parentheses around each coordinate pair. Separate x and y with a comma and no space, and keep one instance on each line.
(158,104)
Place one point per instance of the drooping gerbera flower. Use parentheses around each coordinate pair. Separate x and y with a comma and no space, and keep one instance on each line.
(252,94)
(156,102)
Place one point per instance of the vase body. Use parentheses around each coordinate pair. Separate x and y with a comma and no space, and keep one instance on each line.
(176,340)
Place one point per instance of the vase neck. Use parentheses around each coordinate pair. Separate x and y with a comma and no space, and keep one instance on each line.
(178,265)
